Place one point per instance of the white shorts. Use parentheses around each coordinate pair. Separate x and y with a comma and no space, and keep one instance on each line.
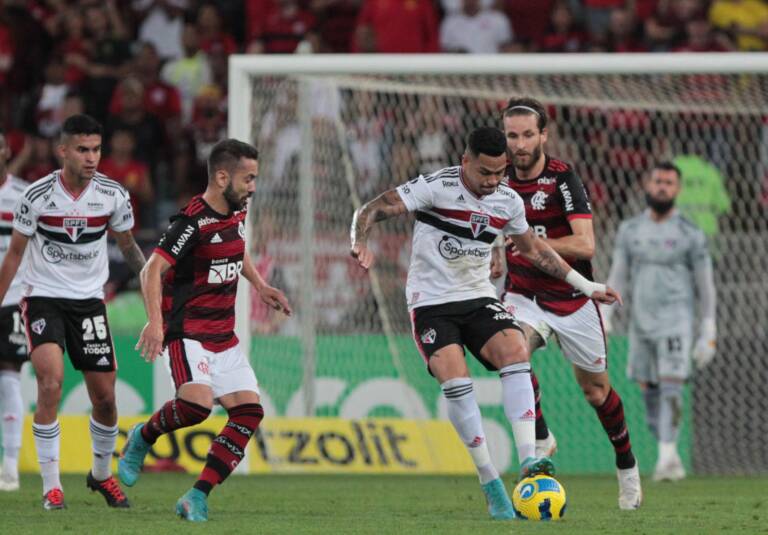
(225,372)
(580,334)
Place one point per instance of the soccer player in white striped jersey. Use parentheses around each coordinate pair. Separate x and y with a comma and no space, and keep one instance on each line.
(13,344)
(64,218)
(460,212)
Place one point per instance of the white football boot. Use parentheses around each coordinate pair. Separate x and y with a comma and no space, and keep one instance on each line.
(630,491)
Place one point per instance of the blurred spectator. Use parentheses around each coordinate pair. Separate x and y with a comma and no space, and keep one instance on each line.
(701,38)
(30,44)
(665,28)
(396,27)
(475,30)
(563,33)
(285,26)
(160,99)
(35,160)
(528,23)
(212,37)
(110,51)
(335,23)
(451,7)
(162,23)
(599,14)
(623,32)
(6,50)
(122,166)
(366,139)
(190,73)
(74,47)
(746,20)
(48,116)
(703,197)
(147,130)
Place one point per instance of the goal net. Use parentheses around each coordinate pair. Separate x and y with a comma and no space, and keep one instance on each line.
(334,131)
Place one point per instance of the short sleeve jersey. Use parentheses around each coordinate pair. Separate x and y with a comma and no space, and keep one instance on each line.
(10,192)
(551,200)
(453,236)
(67,252)
(205,250)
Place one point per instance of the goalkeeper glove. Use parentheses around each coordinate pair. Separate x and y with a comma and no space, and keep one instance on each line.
(705,349)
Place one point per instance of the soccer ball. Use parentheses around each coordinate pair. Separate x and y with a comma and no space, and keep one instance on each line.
(539,497)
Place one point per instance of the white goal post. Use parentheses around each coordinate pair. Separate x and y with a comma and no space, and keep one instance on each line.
(615,114)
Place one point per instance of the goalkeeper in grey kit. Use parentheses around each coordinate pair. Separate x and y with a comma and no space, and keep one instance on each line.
(662,259)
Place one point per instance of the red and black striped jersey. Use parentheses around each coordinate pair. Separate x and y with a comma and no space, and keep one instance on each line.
(205,250)
(552,200)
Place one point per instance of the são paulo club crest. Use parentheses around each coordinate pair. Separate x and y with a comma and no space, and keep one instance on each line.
(428,336)
(478,223)
(75,226)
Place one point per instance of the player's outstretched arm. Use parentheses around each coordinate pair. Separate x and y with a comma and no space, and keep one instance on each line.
(388,204)
(541,255)
(150,343)
(12,261)
(269,295)
(131,251)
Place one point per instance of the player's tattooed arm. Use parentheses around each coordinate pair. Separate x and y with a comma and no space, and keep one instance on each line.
(540,254)
(388,204)
(131,251)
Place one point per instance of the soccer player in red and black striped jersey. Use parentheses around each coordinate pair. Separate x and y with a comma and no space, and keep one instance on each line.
(189,286)
(557,209)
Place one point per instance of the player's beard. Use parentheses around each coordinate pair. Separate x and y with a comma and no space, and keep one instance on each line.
(660,206)
(234,201)
(534,155)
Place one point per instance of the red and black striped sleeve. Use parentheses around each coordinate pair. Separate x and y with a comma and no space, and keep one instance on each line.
(178,239)
(573,195)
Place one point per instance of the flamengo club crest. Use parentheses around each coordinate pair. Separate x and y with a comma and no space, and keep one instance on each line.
(75,226)
(478,223)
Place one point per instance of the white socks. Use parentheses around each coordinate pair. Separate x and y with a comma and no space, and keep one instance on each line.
(103,438)
(464,414)
(12,415)
(519,406)
(47,443)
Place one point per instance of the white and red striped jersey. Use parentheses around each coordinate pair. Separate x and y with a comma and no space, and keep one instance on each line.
(453,236)
(67,252)
(10,192)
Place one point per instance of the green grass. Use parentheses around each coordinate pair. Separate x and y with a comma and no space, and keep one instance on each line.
(291,504)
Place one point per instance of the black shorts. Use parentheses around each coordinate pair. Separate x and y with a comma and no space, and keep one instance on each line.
(13,341)
(78,325)
(467,323)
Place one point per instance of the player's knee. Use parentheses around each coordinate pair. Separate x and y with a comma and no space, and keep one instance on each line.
(595,392)
(103,402)
(48,390)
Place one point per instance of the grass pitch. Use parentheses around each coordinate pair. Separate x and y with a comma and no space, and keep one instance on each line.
(288,504)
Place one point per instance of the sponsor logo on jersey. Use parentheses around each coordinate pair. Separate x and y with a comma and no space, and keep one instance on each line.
(499,316)
(450,183)
(216,238)
(74,227)
(95,206)
(54,253)
(38,326)
(428,336)
(478,223)
(188,231)
(241,229)
(546,180)
(539,200)
(24,208)
(222,273)
(451,248)
(460,198)
(51,205)
(202,222)
(106,191)
(567,197)
(98,349)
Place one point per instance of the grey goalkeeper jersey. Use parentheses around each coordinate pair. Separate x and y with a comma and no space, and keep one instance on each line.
(663,266)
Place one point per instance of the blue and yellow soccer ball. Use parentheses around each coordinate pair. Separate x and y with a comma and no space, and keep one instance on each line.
(539,497)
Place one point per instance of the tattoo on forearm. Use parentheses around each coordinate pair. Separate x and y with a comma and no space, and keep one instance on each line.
(134,257)
(550,263)
(372,212)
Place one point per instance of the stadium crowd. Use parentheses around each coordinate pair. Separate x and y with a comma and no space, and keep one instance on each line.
(155,71)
